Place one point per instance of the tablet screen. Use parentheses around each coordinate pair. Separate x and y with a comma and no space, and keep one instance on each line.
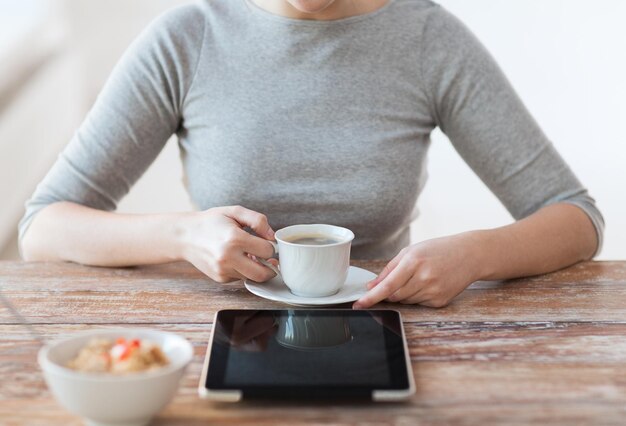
(265,352)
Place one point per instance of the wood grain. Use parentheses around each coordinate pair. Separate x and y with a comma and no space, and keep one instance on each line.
(542,350)
(178,293)
(491,364)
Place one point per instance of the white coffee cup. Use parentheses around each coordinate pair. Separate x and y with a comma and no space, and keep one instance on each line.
(313,270)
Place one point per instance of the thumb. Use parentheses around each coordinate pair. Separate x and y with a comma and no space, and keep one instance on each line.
(254,220)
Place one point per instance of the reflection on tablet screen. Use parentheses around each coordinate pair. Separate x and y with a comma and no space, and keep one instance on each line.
(314,347)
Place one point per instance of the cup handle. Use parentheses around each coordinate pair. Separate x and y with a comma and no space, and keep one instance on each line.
(269,265)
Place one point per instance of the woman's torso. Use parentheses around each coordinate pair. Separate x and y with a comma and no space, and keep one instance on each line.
(311,121)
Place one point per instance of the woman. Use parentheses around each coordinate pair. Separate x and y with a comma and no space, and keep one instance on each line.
(311,111)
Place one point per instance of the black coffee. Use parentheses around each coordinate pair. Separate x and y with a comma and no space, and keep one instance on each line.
(312,239)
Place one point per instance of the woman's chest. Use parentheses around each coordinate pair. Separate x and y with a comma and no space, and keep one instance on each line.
(303,119)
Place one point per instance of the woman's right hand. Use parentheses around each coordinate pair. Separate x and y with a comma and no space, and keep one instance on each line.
(215,242)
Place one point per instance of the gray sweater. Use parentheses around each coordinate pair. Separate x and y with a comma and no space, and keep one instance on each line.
(311,121)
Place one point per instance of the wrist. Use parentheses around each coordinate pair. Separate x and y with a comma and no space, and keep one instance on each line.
(173,228)
(480,245)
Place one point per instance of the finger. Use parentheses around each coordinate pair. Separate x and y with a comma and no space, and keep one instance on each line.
(246,217)
(271,260)
(230,278)
(253,270)
(413,287)
(254,245)
(386,271)
(258,343)
(396,279)
(220,278)
(254,327)
(418,298)
(421,298)
(263,339)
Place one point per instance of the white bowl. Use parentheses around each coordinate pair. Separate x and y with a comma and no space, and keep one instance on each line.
(106,399)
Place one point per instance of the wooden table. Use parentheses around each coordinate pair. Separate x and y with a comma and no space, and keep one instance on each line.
(543,350)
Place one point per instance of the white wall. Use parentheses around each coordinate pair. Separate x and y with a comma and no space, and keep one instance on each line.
(565,57)
(38,103)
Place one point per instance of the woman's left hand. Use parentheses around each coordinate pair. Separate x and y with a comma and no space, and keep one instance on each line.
(430,273)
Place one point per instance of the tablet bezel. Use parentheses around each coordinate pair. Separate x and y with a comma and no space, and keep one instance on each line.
(235,395)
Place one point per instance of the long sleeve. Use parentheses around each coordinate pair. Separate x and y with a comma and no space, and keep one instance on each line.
(137,111)
(477,108)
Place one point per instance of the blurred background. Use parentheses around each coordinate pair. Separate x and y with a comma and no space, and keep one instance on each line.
(566,58)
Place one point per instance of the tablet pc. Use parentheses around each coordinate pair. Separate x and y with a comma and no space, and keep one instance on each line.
(307,353)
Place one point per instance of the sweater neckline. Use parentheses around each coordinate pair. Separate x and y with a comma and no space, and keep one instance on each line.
(264,14)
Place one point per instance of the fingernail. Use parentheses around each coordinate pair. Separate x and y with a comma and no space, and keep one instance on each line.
(357,306)
(271,234)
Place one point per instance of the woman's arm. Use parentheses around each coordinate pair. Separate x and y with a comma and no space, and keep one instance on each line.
(433,272)
(558,223)
(140,107)
(71,232)
(553,238)
(214,241)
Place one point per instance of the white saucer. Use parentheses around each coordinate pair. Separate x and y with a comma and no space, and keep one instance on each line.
(351,291)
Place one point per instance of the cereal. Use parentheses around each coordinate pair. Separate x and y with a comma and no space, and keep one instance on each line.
(119,357)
